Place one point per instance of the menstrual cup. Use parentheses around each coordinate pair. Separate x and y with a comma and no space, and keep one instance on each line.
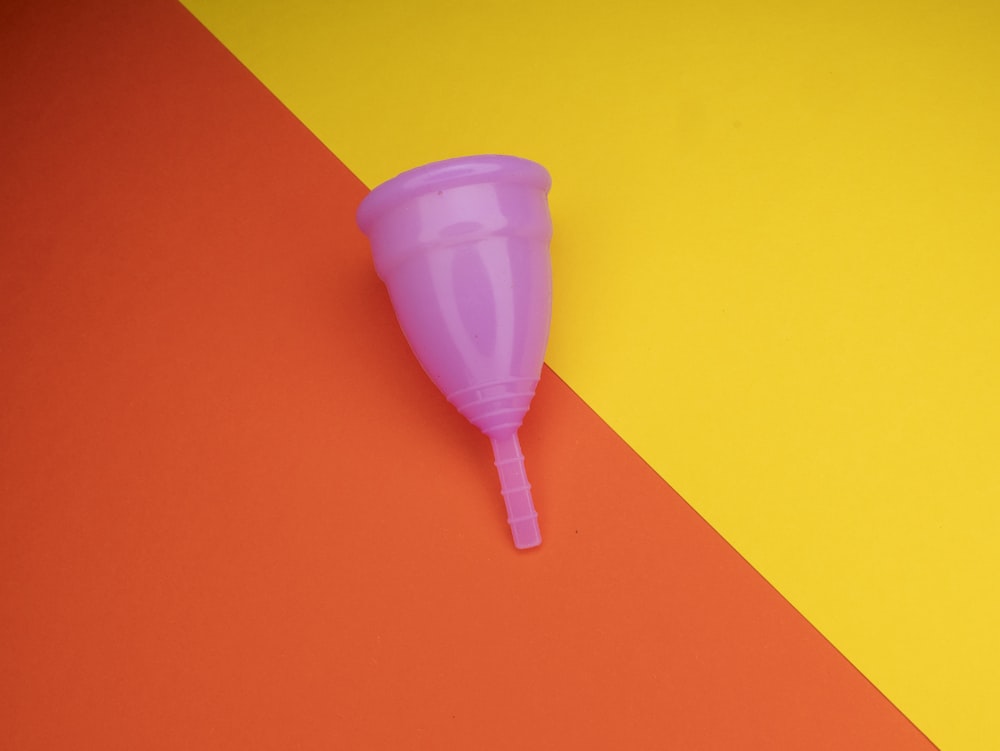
(463,248)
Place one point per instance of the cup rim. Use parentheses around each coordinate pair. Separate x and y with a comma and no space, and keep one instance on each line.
(450,173)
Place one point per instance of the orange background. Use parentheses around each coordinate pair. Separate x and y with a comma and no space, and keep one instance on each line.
(234,513)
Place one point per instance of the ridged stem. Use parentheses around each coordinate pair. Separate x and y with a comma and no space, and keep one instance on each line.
(516,491)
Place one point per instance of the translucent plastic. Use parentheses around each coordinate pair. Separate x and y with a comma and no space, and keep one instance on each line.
(463,248)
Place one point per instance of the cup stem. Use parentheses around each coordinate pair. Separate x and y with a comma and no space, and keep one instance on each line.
(516,491)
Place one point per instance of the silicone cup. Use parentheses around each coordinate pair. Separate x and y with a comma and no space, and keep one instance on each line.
(463,248)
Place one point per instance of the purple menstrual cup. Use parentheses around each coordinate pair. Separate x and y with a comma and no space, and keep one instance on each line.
(463,247)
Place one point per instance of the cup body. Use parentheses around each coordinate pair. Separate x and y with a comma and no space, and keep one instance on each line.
(463,248)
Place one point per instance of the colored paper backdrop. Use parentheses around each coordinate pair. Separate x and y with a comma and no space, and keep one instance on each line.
(234,514)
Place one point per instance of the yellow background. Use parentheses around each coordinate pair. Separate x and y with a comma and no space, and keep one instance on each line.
(777,265)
